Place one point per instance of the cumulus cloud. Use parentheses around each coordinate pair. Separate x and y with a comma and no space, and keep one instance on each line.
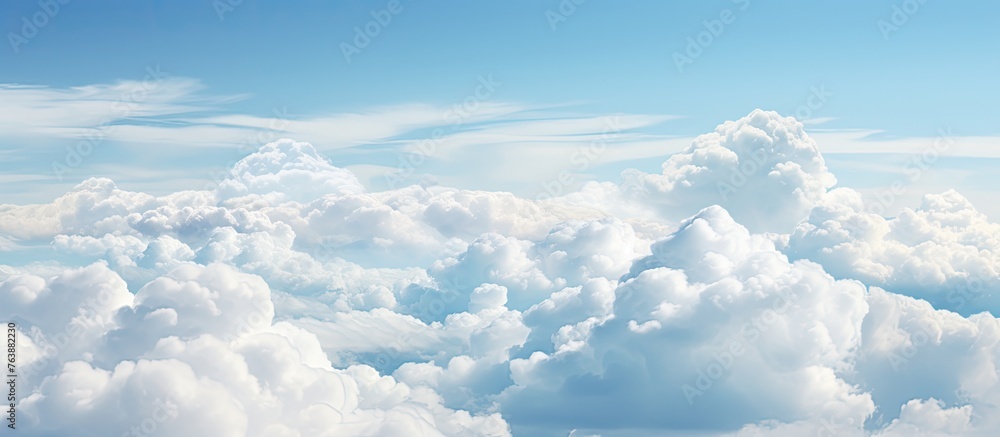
(715,318)
(930,372)
(288,169)
(196,352)
(736,293)
(944,251)
(763,168)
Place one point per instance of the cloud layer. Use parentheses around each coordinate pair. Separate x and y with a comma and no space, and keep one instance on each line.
(739,292)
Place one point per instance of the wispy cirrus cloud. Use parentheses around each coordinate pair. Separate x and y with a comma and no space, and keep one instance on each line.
(501,145)
(173,117)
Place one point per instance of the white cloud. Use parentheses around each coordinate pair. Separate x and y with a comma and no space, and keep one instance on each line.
(33,111)
(945,143)
(929,418)
(763,168)
(292,301)
(196,353)
(286,168)
(944,251)
(714,318)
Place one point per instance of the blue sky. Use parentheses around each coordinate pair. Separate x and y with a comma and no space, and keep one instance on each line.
(379,217)
(934,70)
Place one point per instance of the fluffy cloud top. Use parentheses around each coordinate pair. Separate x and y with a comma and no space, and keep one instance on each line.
(944,251)
(289,301)
(763,168)
(291,170)
(196,352)
(714,318)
